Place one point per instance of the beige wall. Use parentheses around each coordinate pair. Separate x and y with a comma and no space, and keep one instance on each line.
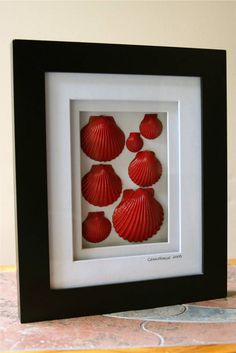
(187,24)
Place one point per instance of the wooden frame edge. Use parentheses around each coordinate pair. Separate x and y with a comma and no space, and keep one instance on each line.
(212,348)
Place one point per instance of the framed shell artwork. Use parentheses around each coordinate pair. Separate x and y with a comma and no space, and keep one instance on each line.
(121,182)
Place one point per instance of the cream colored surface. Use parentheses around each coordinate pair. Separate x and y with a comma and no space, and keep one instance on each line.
(187,24)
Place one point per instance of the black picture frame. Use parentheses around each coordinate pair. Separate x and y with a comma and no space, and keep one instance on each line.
(31,60)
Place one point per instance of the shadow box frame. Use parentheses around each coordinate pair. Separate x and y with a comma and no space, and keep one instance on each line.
(31,61)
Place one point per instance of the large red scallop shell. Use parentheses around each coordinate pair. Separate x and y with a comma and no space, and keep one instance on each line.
(134,142)
(96,227)
(150,127)
(102,139)
(145,169)
(138,216)
(101,186)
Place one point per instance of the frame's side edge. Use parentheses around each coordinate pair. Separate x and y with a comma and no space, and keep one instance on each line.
(214,157)
(226,164)
(14,74)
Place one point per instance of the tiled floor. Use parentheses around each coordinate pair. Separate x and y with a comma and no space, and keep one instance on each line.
(199,323)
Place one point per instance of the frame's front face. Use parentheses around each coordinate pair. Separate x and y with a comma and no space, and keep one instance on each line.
(80,236)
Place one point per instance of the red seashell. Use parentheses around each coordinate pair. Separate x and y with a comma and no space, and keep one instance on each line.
(102,139)
(150,127)
(101,186)
(145,169)
(96,227)
(126,195)
(134,142)
(138,216)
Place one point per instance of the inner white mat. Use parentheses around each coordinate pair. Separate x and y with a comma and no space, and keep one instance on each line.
(180,253)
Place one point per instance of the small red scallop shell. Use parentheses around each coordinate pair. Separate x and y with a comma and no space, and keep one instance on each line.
(145,169)
(96,227)
(134,142)
(138,216)
(101,186)
(102,139)
(150,127)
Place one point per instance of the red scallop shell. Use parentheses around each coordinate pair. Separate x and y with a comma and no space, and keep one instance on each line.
(101,186)
(102,139)
(145,169)
(138,216)
(150,127)
(96,227)
(134,142)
